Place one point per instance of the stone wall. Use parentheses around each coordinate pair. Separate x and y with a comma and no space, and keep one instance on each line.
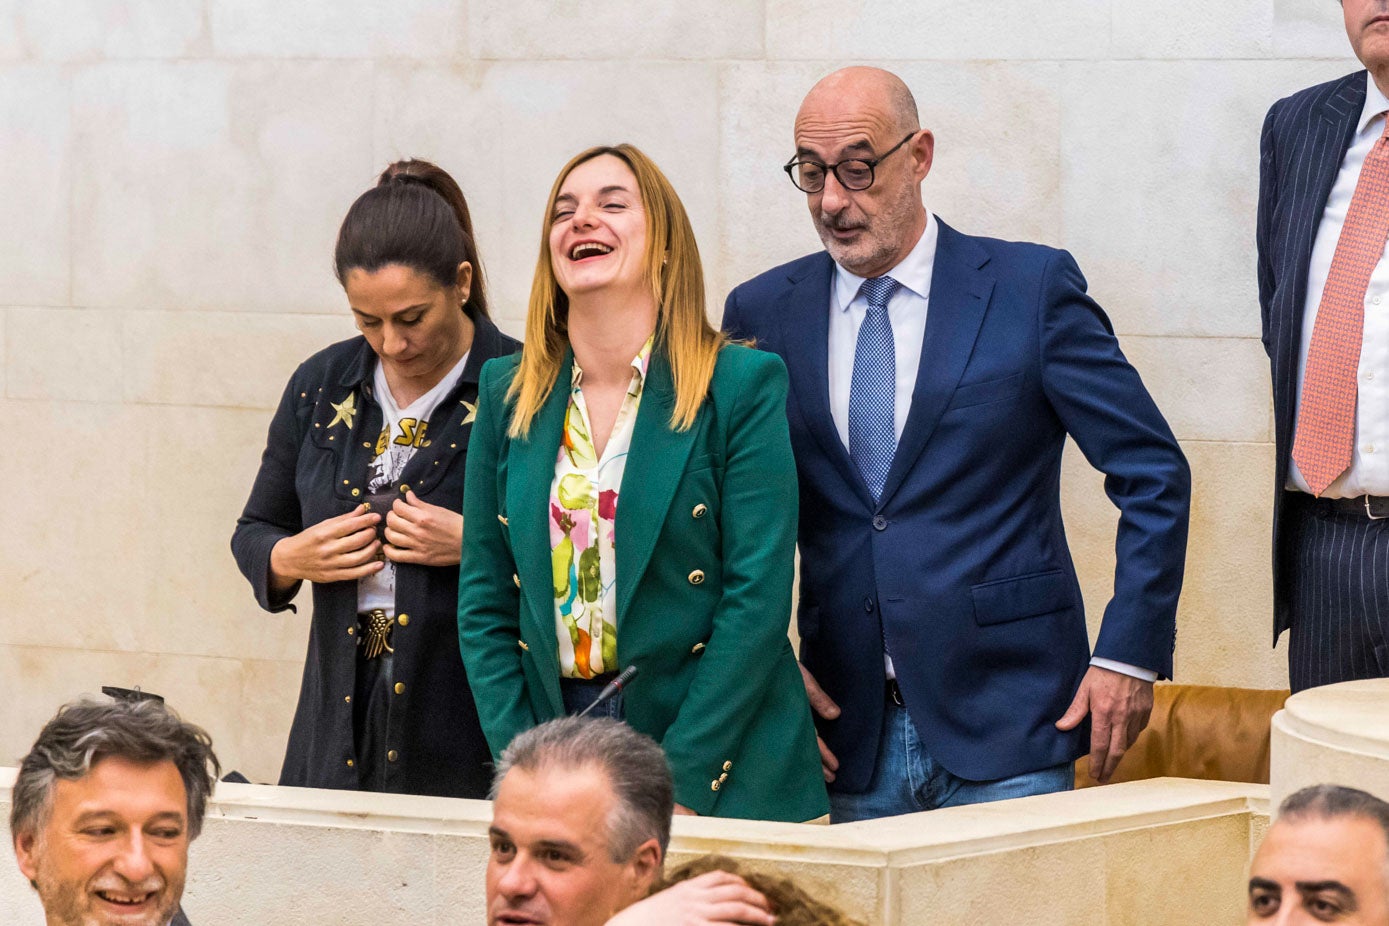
(173,173)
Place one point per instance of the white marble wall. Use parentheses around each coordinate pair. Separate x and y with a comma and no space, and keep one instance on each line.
(173,172)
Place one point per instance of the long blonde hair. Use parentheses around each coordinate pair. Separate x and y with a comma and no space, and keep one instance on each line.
(672,269)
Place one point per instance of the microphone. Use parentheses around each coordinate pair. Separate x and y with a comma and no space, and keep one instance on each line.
(611,689)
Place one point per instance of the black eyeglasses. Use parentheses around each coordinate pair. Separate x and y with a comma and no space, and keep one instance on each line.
(852,173)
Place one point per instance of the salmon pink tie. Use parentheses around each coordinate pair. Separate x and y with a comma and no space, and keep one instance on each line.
(1325,437)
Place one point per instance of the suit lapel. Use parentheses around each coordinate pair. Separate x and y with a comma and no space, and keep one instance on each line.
(1339,113)
(805,318)
(530,473)
(959,295)
(655,464)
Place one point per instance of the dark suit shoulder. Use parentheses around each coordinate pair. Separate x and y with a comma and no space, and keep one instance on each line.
(1296,108)
(772,282)
(1020,260)
(1015,253)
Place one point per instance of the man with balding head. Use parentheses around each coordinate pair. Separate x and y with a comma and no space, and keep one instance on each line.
(935,377)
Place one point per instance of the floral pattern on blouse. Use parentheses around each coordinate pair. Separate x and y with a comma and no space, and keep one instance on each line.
(583,511)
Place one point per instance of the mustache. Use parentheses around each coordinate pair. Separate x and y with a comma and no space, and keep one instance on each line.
(838,221)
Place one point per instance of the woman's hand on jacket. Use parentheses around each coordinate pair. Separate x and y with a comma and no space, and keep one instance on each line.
(421,533)
(336,550)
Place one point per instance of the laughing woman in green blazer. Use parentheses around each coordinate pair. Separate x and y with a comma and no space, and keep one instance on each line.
(630,500)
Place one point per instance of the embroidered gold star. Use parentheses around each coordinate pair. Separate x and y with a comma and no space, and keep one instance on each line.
(472,412)
(345,411)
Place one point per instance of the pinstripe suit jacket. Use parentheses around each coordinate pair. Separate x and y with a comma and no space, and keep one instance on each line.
(1305,138)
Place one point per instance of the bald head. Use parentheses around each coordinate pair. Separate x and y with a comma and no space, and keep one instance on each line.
(872,92)
(864,118)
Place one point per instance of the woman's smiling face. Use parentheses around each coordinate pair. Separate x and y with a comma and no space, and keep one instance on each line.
(598,229)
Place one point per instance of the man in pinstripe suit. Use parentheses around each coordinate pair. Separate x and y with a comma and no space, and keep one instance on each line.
(1324,297)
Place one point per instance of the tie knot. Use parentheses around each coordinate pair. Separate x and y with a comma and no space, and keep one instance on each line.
(878,290)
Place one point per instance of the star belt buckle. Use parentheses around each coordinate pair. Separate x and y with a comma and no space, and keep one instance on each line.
(376,633)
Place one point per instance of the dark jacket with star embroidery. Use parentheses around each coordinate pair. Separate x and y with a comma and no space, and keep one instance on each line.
(315,468)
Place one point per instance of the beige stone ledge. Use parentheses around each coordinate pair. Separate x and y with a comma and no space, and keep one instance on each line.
(1337,734)
(911,838)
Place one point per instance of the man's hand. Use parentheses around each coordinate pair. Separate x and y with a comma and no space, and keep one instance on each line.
(1118,706)
(715,898)
(418,532)
(825,707)
(336,550)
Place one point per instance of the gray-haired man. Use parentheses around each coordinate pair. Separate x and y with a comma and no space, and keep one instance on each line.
(104,807)
(580,825)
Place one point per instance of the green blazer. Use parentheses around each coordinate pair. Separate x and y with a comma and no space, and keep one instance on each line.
(706,531)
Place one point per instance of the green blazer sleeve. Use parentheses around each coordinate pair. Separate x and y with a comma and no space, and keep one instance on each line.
(488,598)
(758,508)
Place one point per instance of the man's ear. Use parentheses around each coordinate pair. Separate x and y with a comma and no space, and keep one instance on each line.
(24,846)
(645,867)
(923,150)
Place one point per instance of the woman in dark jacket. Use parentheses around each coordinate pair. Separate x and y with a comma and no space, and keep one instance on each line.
(359,492)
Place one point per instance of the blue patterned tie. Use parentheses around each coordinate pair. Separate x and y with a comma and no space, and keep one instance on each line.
(872,391)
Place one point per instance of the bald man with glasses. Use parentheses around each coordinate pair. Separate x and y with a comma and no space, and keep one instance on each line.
(935,377)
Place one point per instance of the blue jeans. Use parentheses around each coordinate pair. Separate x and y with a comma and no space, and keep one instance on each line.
(907,780)
(579,693)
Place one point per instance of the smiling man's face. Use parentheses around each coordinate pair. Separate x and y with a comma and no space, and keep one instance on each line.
(113,848)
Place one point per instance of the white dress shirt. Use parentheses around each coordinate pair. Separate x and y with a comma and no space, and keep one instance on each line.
(1369,465)
(906,310)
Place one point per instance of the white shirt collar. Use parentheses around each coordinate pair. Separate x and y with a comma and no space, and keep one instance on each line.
(913,273)
(1375,103)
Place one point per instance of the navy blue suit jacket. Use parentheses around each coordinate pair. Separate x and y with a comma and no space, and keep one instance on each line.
(962,566)
(1304,140)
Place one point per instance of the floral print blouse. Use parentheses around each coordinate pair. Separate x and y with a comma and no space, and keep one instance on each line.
(583,510)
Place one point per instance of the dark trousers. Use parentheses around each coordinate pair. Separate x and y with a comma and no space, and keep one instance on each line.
(1340,596)
(371,709)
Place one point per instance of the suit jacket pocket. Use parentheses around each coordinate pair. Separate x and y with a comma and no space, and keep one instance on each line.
(1013,599)
(993,390)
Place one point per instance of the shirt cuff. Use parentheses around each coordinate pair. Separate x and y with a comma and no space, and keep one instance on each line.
(1147,675)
